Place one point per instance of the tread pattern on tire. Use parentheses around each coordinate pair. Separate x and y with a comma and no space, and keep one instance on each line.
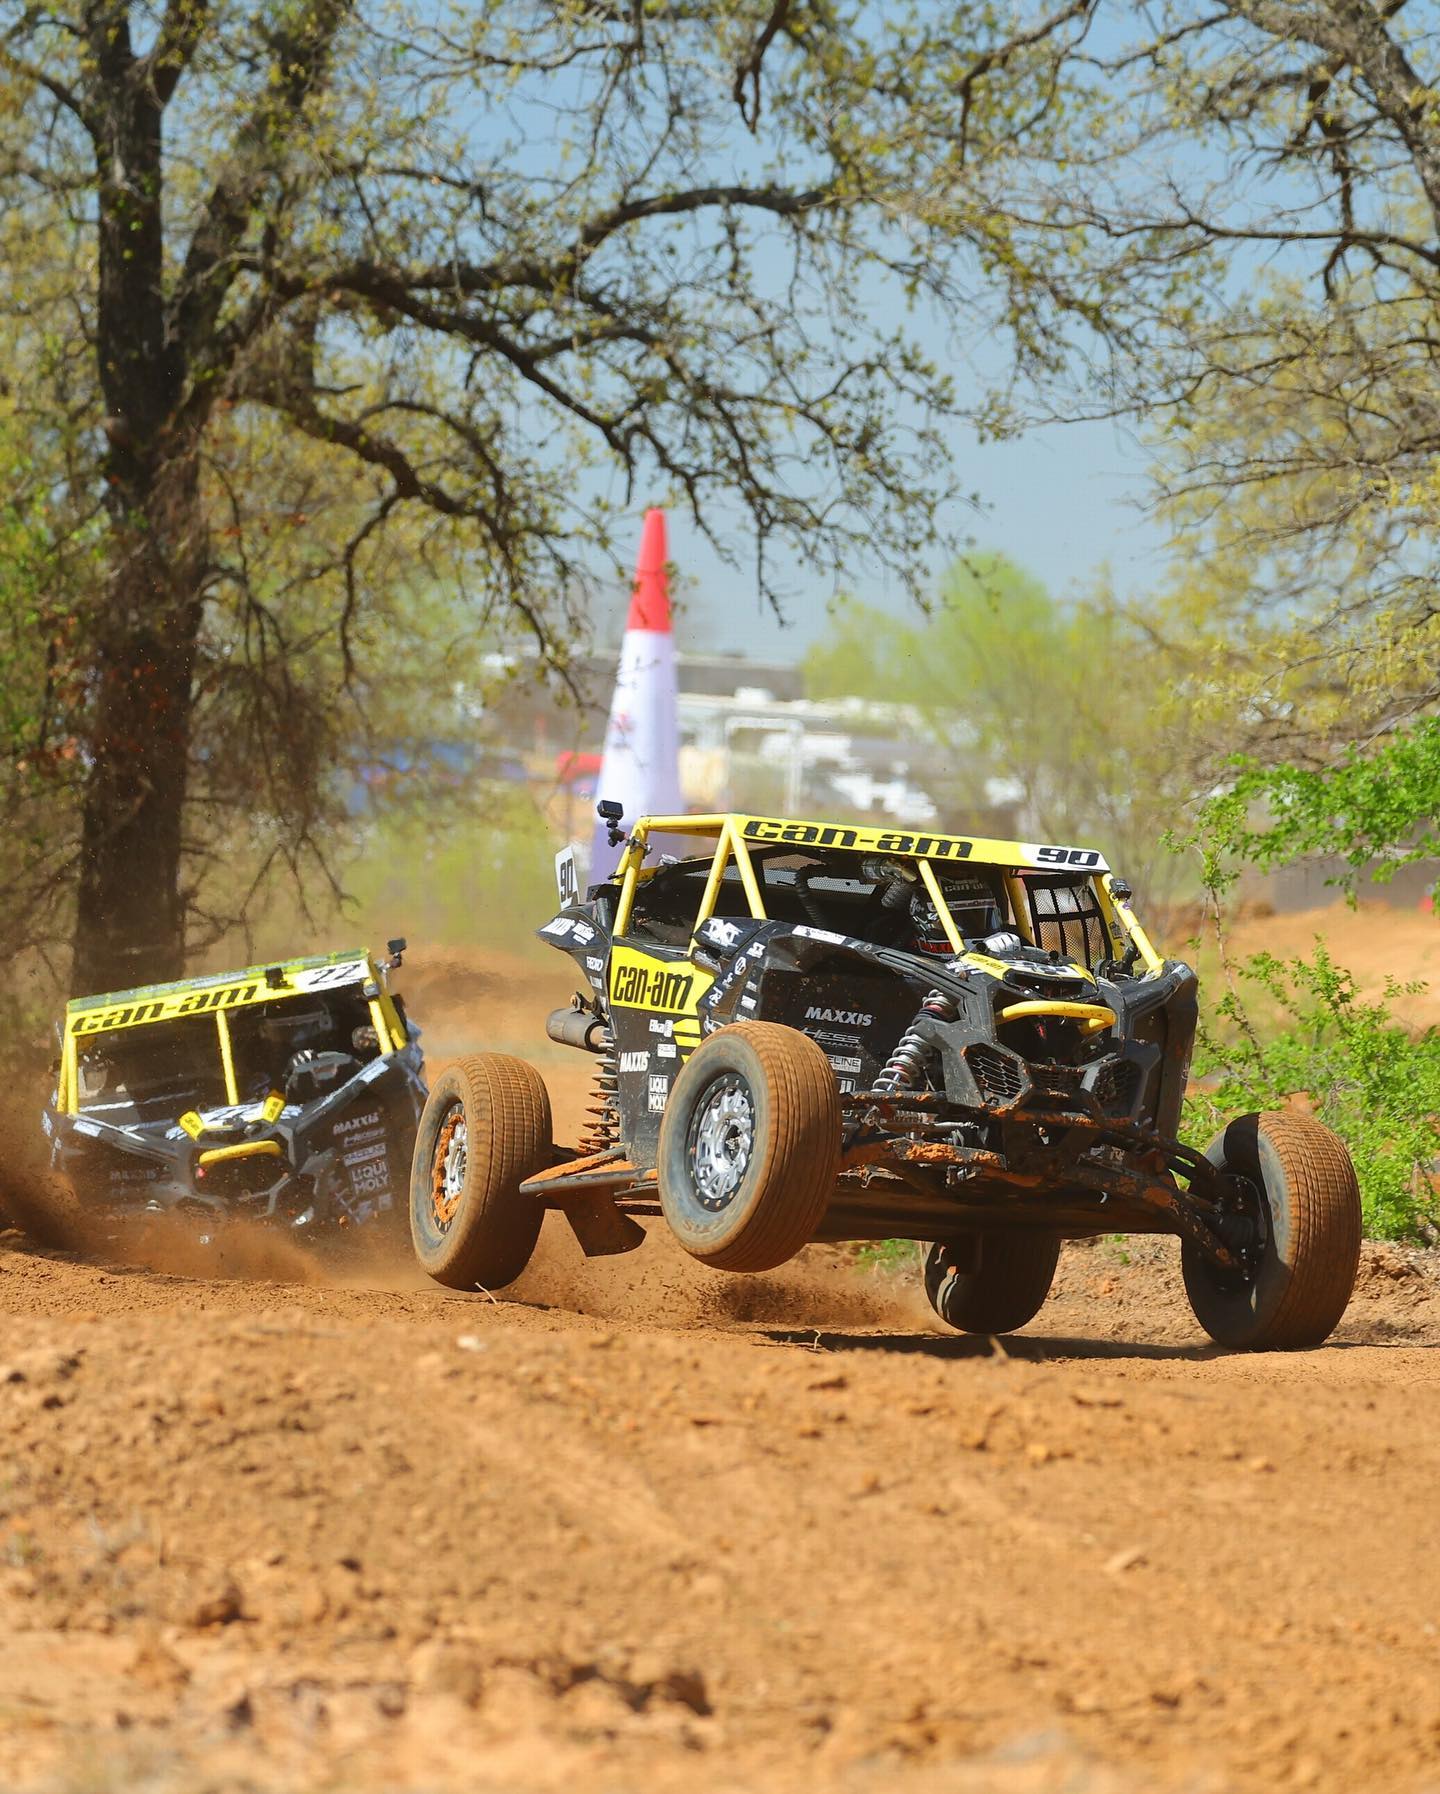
(509,1133)
(1325,1205)
(1007,1289)
(800,1154)
(1325,1232)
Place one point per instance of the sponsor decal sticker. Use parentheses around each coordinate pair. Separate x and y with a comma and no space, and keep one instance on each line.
(368,1119)
(921,846)
(820,934)
(168,1005)
(846,1018)
(367,1178)
(665,1050)
(659,1090)
(640,982)
(634,1061)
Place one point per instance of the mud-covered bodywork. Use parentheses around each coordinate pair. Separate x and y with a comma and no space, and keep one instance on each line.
(1008,1046)
(288,1092)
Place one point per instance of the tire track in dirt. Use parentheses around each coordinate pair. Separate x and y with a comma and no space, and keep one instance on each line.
(281,1522)
(337,1534)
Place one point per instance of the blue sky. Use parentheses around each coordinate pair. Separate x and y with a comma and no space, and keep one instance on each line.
(1062,501)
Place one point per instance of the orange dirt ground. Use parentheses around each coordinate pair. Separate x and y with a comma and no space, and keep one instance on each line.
(283,1524)
(1374,941)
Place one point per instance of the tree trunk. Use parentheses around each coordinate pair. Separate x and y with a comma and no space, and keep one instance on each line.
(130,921)
(130,915)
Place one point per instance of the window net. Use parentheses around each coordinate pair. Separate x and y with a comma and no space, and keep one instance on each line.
(1067,920)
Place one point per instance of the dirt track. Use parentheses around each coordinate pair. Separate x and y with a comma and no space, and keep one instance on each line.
(646,1526)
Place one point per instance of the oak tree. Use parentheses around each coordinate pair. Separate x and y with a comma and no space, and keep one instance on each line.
(477,274)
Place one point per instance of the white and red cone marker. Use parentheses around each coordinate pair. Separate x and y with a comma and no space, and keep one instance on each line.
(640,767)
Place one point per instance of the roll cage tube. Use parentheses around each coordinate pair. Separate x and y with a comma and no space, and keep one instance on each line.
(730,843)
(390,1036)
(1114,907)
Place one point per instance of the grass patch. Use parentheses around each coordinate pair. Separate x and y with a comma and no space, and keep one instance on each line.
(888,1255)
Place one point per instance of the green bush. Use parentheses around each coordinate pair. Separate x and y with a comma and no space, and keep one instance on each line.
(1371,1079)
(456,878)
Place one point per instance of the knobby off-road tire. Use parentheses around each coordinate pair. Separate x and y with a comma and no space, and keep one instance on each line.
(1307,1265)
(1004,1287)
(749,1147)
(485,1129)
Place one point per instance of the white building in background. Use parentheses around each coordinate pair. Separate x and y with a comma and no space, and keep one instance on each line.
(749,739)
(749,748)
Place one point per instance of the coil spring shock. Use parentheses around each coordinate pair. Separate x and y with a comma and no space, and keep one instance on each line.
(907,1062)
(602,1131)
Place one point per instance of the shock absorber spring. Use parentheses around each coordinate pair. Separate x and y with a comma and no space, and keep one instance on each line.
(907,1062)
(602,1131)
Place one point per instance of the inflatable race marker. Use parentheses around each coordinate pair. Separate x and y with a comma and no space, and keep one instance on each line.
(640,767)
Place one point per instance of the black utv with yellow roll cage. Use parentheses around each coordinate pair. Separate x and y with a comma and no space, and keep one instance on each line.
(820,1031)
(286,1093)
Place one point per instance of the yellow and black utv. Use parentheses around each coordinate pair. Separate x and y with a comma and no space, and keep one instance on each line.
(824,1031)
(287,1092)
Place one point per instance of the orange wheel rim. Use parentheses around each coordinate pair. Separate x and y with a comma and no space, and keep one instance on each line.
(447,1168)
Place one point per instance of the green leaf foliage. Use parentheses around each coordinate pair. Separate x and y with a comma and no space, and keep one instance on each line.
(1376,808)
(1059,710)
(1374,1081)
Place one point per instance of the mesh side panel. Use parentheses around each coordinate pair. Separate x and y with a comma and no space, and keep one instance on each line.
(1117,1086)
(999,1075)
(1067,920)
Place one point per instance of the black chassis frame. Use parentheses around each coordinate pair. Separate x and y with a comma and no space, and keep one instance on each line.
(1045,1152)
(311,1162)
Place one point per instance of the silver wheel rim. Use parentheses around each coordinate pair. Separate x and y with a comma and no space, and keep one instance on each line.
(447,1168)
(452,1172)
(722,1140)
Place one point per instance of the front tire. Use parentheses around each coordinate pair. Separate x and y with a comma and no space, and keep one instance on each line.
(998,1286)
(485,1129)
(1309,1250)
(750,1147)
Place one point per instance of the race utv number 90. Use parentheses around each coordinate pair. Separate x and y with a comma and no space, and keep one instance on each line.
(821,1031)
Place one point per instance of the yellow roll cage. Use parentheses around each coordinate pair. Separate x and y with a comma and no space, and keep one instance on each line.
(217,996)
(734,833)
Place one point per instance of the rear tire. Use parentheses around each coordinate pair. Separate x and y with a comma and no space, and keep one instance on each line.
(1002,1286)
(485,1129)
(750,1147)
(1308,1258)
